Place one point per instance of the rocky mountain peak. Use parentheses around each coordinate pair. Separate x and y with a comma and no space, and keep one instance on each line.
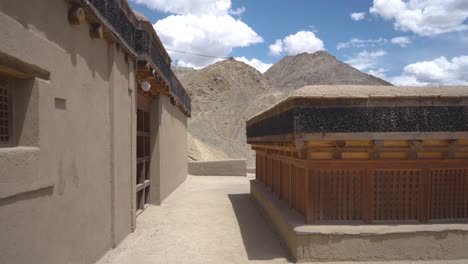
(319,68)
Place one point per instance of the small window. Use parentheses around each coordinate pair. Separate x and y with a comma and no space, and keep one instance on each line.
(5,112)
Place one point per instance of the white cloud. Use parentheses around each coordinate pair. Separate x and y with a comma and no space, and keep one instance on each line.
(302,41)
(361,43)
(193,7)
(405,80)
(380,73)
(402,41)
(440,71)
(372,43)
(277,48)
(202,27)
(237,12)
(205,34)
(257,64)
(358,16)
(366,60)
(424,17)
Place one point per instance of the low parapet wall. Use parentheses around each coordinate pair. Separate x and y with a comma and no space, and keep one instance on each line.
(218,168)
(251,170)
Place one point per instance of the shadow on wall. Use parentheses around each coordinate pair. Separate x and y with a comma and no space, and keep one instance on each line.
(260,242)
(31,195)
(52,21)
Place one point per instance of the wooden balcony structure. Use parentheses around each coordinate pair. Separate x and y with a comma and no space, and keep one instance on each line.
(367,155)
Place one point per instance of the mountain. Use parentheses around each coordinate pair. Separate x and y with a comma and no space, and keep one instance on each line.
(224,95)
(319,68)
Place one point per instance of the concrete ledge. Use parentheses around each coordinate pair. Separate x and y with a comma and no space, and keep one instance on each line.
(251,170)
(320,243)
(218,168)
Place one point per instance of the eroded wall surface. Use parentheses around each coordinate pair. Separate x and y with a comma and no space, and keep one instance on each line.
(66,195)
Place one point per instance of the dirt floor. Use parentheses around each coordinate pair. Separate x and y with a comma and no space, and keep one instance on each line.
(206,220)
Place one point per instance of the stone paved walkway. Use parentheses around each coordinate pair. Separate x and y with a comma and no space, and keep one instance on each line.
(206,220)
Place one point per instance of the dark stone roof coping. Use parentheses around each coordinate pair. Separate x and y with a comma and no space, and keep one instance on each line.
(368,96)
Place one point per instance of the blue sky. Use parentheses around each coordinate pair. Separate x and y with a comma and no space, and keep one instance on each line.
(408,42)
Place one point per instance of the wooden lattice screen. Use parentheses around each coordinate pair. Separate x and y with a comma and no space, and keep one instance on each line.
(4,112)
(449,194)
(396,194)
(339,195)
(367,195)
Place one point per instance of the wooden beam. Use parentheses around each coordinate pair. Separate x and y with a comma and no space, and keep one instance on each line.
(355,155)
(393,155)
(272,147)
(14,67)
(321,155)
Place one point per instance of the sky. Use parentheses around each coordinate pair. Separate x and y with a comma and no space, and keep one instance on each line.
(406,42)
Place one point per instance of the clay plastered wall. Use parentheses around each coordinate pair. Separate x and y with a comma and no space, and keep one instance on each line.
(123,142)
(66,176)
(169,158)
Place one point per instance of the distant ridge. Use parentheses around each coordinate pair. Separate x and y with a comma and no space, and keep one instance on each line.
(319,68)
(225,94)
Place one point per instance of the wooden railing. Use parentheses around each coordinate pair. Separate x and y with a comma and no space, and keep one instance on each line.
(370,191)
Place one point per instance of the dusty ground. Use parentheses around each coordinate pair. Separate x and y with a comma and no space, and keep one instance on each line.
(206,220)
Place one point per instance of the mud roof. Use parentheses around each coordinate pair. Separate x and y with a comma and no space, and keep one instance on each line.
(374,91)
(322,95)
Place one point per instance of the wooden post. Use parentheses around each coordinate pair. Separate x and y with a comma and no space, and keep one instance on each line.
(321,195)
(291,193)
(425,196)
(279,174)
(263,171)
(127,58)
(96,31)
(311,196)
(269,173)
(76,14)
(258,166)
(273,176)
(466,193)
(368,197)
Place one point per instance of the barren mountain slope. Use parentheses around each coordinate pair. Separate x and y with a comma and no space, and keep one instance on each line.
(318,68)
(224,96)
